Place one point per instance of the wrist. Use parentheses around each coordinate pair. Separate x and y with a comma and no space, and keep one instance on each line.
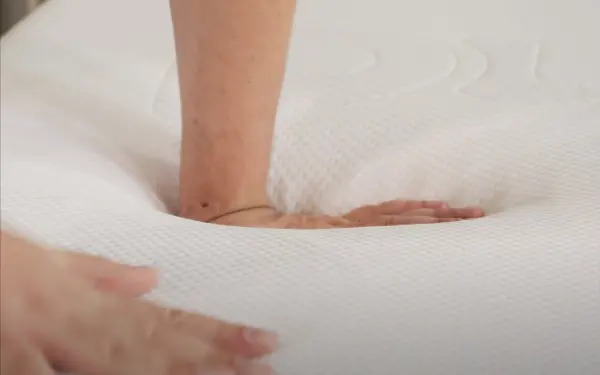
(220,175)
(247,217)
(209,207)
(207,211)
(240,212)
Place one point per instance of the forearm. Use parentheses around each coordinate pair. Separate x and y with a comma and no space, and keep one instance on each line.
(231,60)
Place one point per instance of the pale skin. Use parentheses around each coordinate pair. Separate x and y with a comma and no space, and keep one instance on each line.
(80,314)
(83,314)
(231,57)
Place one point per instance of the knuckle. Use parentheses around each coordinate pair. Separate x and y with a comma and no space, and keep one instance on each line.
(175,317)
(151,328)
(116,350)
(228,334)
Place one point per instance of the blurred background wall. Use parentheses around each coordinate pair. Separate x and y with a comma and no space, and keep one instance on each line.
(14,10)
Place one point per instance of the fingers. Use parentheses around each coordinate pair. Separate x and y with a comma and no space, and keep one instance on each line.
(445,213)
(400,206)
(400,212)
(246,341)
(122,336)
(391,220)
(82,330)
(404,213)
(17,357)
(109,276)
(395,207)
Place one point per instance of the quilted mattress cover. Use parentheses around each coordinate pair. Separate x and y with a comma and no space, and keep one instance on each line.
(493,103)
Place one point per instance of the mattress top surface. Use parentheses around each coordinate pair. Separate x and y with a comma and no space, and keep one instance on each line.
(491,103)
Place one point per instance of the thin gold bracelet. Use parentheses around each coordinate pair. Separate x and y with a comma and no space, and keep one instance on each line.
(238,211)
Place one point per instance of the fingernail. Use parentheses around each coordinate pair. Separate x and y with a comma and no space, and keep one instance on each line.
(259,337)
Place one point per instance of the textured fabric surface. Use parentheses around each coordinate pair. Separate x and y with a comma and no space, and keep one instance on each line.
(493,103)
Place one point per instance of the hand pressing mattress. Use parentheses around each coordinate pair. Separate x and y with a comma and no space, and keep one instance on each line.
(478,103)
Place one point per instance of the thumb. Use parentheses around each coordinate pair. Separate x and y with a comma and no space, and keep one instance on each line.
(108,275)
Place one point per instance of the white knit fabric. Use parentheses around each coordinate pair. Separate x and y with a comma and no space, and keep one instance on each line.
(491,103)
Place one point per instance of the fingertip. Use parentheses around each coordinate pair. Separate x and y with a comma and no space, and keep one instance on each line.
(247,342)
(135,282)
(147,272)
(261,339)
(477,212)
(143,277)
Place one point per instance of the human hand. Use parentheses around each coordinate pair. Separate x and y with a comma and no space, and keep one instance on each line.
(395,212)
(76,313)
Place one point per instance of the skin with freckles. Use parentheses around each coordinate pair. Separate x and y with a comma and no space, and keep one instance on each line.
(81,314)
(231,58)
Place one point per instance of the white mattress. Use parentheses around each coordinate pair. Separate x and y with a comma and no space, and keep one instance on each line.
(492,103)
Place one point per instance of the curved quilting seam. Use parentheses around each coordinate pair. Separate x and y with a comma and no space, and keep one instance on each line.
(485,69)
(537,50)
(435,80)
